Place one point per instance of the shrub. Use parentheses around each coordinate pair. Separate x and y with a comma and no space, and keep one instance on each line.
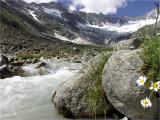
(151,58)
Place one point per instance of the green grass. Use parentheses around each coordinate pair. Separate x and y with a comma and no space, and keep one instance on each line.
(151,58)
(28,55)
(31,55)
(13,20)
(95,92)
(66,52)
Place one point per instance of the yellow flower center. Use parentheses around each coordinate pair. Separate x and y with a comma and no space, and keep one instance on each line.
(142,81)
(146,102)
(155,85)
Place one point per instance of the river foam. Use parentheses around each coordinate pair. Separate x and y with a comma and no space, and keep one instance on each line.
(29,98)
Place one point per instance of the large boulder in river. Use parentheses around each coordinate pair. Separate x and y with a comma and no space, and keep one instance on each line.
(70,97)
(119,83)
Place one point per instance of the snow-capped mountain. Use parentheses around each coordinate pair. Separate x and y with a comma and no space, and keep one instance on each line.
(53,19)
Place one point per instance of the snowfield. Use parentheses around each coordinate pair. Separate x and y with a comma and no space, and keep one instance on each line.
(129,27)
(78,40)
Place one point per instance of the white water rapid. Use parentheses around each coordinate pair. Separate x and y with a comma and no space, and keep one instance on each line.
(29,98)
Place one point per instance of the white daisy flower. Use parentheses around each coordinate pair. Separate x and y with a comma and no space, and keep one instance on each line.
(141,80)
(155,86)
(146,103)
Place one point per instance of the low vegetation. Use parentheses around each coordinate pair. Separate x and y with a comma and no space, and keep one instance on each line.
(151,58)
(11,19)
(95,92)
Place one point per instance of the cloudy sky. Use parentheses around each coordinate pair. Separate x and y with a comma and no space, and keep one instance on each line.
(116,7)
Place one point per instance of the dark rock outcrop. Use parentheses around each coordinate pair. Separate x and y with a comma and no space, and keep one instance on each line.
(3,60)
(9,69)
(4,71)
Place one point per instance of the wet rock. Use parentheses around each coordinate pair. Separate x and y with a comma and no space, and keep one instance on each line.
(5,72)
(3,60)
(42,64)
(78,61)
(29,61)
(9,68)
(18,63)
(11,59)
(43,71)
(35,60)
(58,57)
(17,71)
(3,67)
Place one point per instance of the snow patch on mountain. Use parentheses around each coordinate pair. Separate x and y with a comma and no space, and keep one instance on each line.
(129,27)
(78,40)
(52,11)
(61,37)
(33,15)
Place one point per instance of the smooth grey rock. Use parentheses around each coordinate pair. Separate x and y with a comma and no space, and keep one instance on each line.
(69,97)
(119,83)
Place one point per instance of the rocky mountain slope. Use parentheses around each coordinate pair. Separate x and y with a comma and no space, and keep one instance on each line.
(53,19)
(22,33)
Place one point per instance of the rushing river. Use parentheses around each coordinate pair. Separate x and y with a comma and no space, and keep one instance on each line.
(29,98)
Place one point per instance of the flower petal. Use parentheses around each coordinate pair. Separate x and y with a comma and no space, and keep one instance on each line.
(151,88)
(145,78)
(141,77)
